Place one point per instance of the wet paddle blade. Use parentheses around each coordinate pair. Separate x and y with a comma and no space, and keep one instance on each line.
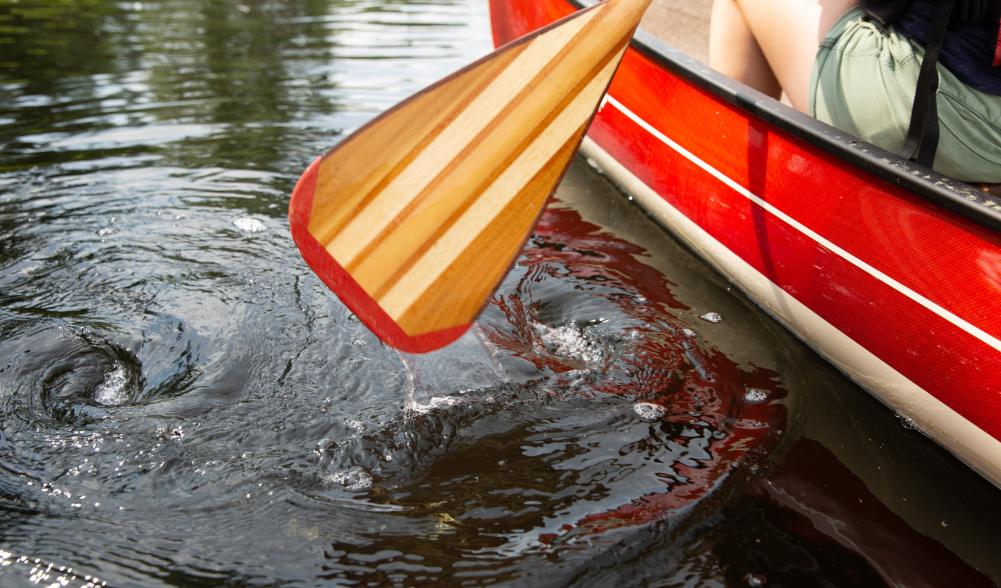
(414,219)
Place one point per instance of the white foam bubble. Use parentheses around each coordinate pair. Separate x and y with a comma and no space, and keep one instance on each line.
(712,317)
(249,225)
(649,411)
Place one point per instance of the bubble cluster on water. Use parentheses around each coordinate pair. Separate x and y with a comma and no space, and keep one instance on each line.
(355,479)
(569,341)
(756,395)
(112,391)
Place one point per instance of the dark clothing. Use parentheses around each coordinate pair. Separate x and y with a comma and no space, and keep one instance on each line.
(969,47)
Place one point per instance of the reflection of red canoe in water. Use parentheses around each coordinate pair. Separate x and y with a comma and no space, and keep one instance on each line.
(892,273)
(813,499)
(715,415)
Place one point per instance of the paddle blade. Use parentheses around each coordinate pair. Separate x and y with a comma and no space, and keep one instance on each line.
(414,219)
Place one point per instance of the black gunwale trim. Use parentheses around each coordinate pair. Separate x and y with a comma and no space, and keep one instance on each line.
(959,197)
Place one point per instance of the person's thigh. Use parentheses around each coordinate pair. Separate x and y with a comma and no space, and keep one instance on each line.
(864,83)
(734,51)
(789,33)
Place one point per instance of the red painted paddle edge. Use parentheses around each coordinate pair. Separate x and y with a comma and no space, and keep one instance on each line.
(341,283)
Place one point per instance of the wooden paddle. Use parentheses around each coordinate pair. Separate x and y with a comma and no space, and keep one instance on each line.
(415,218)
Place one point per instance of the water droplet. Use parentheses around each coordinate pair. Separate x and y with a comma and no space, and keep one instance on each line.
(712,317)
(944,523)
(688,333)
(755,580)
(649,411)
(755,395)
(907,422)
(249,225)
(323,444)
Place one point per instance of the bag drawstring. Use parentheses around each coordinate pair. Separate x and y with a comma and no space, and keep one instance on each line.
(922,133)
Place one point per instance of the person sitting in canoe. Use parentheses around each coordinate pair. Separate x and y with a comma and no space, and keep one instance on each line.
(862,68)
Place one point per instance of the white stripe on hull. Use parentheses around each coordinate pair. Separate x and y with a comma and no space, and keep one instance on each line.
(950,429)
(963,324)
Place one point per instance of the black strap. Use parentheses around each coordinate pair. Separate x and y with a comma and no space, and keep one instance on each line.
(922,134)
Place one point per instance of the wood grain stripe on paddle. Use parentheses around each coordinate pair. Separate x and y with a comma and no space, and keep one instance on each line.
(418,227)
(440,305)
(355,171)
(427,273)
(450,143)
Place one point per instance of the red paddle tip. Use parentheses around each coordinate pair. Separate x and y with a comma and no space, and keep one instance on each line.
(351,293)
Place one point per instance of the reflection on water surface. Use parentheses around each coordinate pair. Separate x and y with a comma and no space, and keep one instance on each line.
(183,403)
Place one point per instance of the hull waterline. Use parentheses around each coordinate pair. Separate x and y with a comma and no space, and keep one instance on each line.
(889,271)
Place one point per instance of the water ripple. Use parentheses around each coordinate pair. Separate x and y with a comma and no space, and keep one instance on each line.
(183,403)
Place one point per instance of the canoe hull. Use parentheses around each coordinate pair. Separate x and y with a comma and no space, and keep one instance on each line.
(891,273)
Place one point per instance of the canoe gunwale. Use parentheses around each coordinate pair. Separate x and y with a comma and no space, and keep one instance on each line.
(959,197)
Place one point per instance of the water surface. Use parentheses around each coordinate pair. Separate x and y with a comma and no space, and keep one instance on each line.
(182,403)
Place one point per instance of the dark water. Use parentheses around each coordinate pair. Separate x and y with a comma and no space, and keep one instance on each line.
(182,402)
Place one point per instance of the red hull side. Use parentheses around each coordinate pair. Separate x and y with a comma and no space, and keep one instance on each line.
(916,285)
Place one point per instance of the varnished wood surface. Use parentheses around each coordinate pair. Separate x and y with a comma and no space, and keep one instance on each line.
(426,207)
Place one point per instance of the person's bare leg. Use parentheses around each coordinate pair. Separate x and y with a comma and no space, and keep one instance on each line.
(734,51)
(789,32)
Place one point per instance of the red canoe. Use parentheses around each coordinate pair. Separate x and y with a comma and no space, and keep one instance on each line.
(891,272)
